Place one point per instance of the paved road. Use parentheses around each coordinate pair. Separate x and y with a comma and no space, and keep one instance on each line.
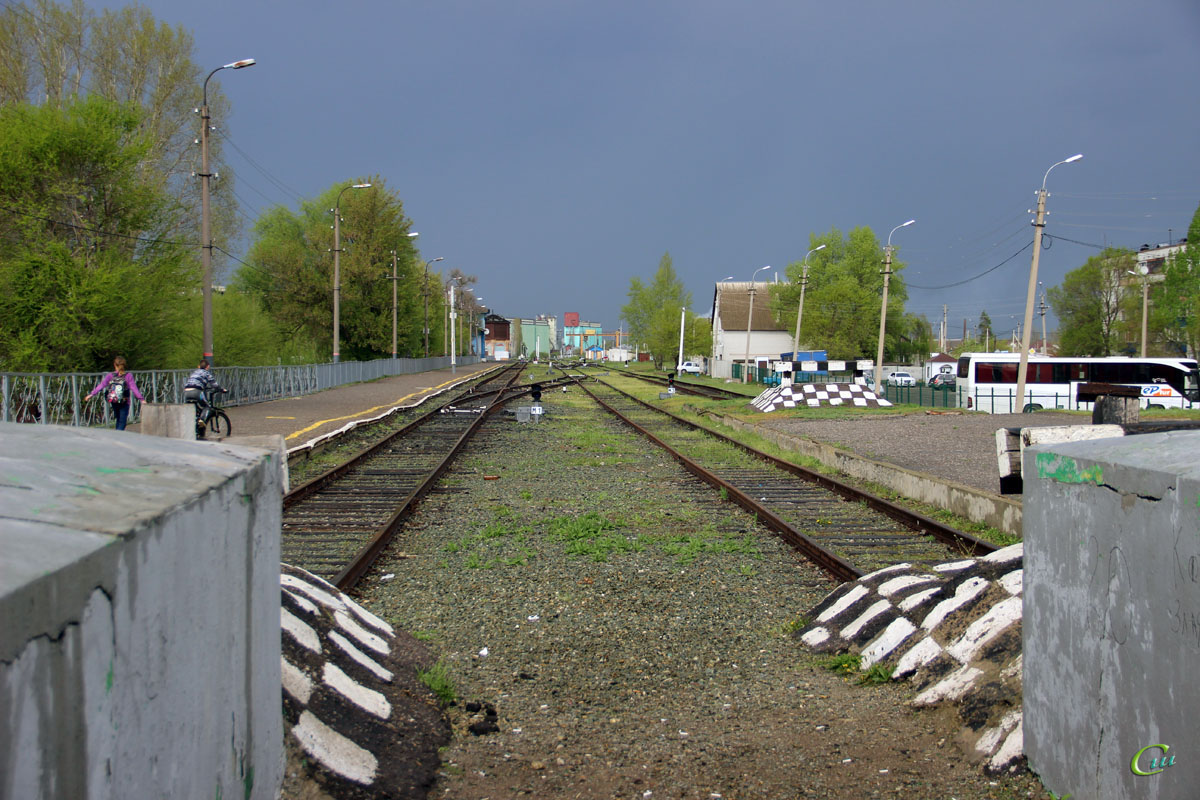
(301,419)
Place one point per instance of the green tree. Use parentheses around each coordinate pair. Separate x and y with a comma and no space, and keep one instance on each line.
(87,269)
(1089,304)
(653,311)
(53,53)
(841,304)
(292,273)
(985,332)
(1175,302)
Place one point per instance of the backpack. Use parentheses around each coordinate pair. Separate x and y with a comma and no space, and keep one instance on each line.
(117,393)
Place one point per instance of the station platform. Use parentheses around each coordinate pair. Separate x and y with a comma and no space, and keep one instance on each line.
(302,419)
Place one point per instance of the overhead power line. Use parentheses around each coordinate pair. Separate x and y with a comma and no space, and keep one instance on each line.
(976,277)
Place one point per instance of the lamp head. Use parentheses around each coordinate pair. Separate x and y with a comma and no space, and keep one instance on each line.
(818,247)
(1075,157)
(245,62)
(412,235)
(361,186)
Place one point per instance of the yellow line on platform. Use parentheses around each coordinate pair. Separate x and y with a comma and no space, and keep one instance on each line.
(364,412)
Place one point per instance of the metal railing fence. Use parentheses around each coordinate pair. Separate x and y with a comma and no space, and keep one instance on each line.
(922,395)
(58,398)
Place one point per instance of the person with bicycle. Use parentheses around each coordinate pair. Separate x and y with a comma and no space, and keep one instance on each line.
(196,388)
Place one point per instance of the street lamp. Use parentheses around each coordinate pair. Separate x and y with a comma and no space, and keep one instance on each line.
(395,278)
(749,324)
(205,224)
(1145,276)
(337,265)
(800,311)
(887,274)
(1039,222)
(425,293)
(712,358)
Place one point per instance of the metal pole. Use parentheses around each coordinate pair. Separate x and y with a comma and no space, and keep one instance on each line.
(337,275)
(452,319)
(1042,310)
(1145,309)
(682,322)
(750,325)
(205,220)
(800,310)
(1039,223)
(887,274)
(205,229)
(394,279)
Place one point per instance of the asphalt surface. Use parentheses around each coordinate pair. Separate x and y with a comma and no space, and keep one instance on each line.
(302,419)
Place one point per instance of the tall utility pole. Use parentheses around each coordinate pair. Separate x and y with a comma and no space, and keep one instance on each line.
(453,317)
(206,244)
(337,267)
(750,324)
(800,310)
(942,343)
(425,292)
(887,274)
(1039,222)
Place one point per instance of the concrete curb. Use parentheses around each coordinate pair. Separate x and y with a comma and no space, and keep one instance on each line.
(965,501)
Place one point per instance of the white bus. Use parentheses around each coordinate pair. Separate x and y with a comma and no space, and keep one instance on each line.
(988,381)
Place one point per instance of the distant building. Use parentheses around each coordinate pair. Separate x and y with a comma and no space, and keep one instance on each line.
(1151,267)
(580,335)
(535,337)
(497,338)
(731,309)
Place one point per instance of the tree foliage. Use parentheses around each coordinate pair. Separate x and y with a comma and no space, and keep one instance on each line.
(1088,304)
(653,311)
(1176,300)
(842,302)
(86,266)
(292,272)
(54,53)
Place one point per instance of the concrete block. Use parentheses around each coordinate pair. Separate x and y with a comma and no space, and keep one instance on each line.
(173,420)
(1111,622)
(139,617)
(274,445)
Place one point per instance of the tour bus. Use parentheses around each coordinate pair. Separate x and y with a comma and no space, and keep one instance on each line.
(988,381)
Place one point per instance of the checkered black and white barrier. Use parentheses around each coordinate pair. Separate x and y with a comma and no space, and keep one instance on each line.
(953,630)
(812,395)
(347,695)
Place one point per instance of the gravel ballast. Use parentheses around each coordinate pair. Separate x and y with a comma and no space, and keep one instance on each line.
(632,632)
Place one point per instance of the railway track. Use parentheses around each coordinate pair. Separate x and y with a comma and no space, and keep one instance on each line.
(687,387)
(337,523)
(844,530)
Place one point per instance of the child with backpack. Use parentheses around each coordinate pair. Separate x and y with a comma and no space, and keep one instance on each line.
(117,386)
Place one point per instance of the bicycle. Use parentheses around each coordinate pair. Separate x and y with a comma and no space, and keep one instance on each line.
(211,418)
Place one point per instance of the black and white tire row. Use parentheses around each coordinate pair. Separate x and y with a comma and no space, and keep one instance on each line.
(343,692)
(952,630)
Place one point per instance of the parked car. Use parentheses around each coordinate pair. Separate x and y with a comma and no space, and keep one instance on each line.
(691,367)
(902,379)
(943,380)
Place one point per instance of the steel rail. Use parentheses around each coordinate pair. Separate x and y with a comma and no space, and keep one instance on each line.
(318,482)
(697,389)
(367,555)
(946,534)
(833,564)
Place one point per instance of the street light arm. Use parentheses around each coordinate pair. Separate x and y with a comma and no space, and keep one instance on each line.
(1075,157)
(245,62)
(898,227)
